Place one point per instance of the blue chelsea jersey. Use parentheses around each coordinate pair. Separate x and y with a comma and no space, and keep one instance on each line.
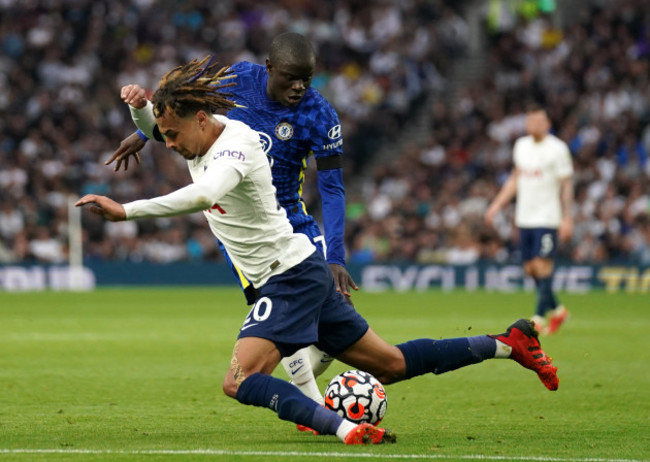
(288,134)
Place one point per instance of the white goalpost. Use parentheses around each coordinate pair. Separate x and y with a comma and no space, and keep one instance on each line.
(75,245)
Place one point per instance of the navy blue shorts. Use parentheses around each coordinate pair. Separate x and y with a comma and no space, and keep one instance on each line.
(309,228)
(538,242)
(301,307)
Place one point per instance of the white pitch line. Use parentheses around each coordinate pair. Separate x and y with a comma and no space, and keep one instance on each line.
(220,452)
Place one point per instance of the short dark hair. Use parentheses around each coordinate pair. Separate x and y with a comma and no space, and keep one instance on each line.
(193,87)
(534,106)
(291,47)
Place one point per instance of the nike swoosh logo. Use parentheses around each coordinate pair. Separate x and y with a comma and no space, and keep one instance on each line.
(250,325)
(296,371)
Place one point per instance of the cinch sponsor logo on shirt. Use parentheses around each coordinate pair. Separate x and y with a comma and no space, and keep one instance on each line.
(228,153)
(329,146)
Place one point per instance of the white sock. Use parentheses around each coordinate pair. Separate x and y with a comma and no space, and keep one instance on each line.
(557,310)
(345,428)
(503,350)
(298,367)
(320,360)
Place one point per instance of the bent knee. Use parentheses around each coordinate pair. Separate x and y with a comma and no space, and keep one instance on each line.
(229,386)
(539,267)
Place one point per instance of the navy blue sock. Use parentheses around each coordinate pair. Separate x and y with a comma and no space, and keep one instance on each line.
(439,356)
(289,403)
(545,298)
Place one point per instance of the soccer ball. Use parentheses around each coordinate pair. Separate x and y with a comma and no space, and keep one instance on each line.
(356,396)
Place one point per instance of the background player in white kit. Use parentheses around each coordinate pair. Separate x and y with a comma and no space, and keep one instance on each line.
(542,182)
(298,303)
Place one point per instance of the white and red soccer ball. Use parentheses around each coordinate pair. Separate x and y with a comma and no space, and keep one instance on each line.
(356,396)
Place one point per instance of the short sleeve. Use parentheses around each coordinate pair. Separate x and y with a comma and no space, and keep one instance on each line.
(565,162)
(327,136)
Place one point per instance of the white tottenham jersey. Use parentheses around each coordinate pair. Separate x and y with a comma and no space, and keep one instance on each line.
(233,188)
(540,168)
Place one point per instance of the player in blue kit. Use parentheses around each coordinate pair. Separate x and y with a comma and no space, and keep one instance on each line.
(294,121)
(298,303)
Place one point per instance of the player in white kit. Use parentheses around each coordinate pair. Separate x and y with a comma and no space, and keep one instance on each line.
(298,304)
(295,122)
(542,182)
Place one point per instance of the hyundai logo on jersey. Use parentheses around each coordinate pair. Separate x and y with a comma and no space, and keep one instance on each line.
(334,132)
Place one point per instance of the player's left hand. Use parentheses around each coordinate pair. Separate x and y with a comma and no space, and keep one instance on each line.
(104,207)
(343,281)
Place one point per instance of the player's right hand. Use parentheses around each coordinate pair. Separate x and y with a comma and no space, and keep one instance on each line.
(103,206)
(134,95)
(129,146)
(488,218)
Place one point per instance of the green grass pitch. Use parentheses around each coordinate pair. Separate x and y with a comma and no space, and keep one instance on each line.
(135,374)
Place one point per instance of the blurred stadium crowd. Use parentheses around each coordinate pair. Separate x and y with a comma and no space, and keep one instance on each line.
(63,63)
(594,79)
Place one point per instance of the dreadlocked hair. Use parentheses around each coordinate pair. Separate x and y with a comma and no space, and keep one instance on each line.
(193,87)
